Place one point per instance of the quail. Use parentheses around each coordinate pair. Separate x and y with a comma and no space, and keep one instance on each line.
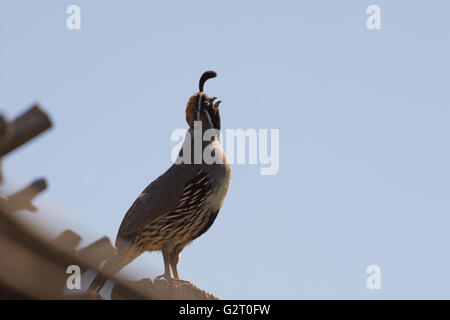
(181,204)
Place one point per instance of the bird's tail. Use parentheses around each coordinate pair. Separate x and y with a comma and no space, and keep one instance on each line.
(111,267)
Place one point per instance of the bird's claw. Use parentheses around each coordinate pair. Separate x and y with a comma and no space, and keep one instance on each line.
(164,276)
(181,281)
(169,279)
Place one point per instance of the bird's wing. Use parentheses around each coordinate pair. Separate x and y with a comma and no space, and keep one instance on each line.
(160,197)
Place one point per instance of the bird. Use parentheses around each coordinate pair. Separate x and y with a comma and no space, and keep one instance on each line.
(182,203)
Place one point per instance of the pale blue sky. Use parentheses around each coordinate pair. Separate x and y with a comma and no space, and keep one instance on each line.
(364,119)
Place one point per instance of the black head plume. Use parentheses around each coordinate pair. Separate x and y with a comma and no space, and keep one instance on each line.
(205,76)
(202,107)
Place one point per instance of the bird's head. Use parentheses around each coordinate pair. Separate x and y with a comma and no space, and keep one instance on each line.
(202,107)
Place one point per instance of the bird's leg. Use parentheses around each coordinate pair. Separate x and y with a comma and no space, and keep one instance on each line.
(166,274)
(174,270)
(174,257)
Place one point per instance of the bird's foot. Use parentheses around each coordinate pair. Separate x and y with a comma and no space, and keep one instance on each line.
(171,280)
(164,276)
(181,281)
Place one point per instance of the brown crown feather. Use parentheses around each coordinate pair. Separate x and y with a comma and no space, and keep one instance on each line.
(190,110)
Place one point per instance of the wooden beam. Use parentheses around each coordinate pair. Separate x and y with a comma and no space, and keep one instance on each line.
(22,200)
(24,128)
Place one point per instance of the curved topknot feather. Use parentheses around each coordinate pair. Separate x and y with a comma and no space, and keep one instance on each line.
(205,76)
